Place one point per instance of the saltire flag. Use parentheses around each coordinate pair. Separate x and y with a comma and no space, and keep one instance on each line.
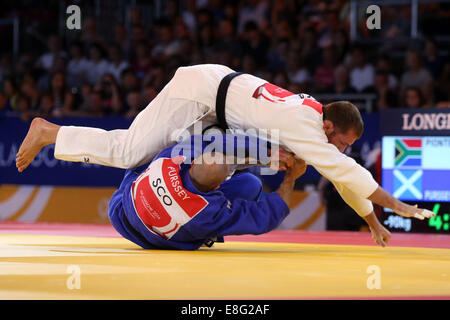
(408,152)
(408,184)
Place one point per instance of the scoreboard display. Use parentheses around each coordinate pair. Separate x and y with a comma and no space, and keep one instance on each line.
(416,168)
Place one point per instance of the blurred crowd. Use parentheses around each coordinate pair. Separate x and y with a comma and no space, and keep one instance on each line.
(303,46)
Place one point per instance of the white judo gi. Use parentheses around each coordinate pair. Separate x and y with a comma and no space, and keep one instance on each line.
(191,96)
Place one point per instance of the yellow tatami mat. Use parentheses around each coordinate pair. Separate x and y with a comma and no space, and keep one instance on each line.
(69,267)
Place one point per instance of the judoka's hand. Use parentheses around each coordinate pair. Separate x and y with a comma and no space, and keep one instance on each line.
(414,212)
(294,170)
(384,199)
(380,235)
(281,160)
(297,169)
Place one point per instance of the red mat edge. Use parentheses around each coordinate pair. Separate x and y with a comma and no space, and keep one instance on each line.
(278,236)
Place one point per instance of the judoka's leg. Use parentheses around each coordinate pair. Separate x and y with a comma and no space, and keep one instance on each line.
(152,130)
(243,185)
(40,134)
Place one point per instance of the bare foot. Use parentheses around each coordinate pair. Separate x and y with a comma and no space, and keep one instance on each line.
(40,134)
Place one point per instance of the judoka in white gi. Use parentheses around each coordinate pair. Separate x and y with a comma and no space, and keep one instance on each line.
(315,133)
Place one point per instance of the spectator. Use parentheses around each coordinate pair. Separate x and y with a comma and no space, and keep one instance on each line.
(309,51)
(135,16)
(111,100)
(342,81)
(384,65)
(148,94)
(188,15)
(167,45)
(129,81)
(386,97)
(97,65)
(46,109)
(248,64)
(11,95)
(47,60)
(138,33)
(157,78)
(413,98)
(78,66)
(281,79)
(297,71)
(3,102)
(252,10)
(324,75)
(416,75)
(96,103)
(84,105)
(433,62)
(30,92)
(254,43)
(120,36)
(6,68)
(443,87)
(63,99)
(117,64)
(205,39)
(44,81)
(24,108)
(134,104)
(142,62)
(362,74)
(228,42)
(89,35)
(341,44)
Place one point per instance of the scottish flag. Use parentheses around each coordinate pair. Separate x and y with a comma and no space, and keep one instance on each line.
(408,184)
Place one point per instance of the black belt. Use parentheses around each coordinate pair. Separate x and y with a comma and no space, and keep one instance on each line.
(133,231)
(221,98)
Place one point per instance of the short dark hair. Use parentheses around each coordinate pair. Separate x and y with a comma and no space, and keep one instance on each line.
(345,116)
(419,95)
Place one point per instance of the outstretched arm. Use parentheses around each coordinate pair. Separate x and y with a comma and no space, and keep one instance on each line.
(384,199)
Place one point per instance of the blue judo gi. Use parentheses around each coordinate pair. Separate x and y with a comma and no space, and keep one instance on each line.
(233,209)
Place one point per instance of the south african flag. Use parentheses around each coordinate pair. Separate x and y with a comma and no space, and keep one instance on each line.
(408,152)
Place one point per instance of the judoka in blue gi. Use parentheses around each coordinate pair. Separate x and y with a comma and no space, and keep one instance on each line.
(177,203)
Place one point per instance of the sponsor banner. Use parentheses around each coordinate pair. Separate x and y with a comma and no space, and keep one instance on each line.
(45,169)
(407,122)
(31,203)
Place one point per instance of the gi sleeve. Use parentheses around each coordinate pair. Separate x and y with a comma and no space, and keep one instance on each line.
(362,206)
(252,217)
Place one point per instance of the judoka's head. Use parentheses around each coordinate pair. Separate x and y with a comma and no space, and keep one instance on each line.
(342,124)
(208,171)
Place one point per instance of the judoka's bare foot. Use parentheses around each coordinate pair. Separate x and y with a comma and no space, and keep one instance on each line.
(40,134)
